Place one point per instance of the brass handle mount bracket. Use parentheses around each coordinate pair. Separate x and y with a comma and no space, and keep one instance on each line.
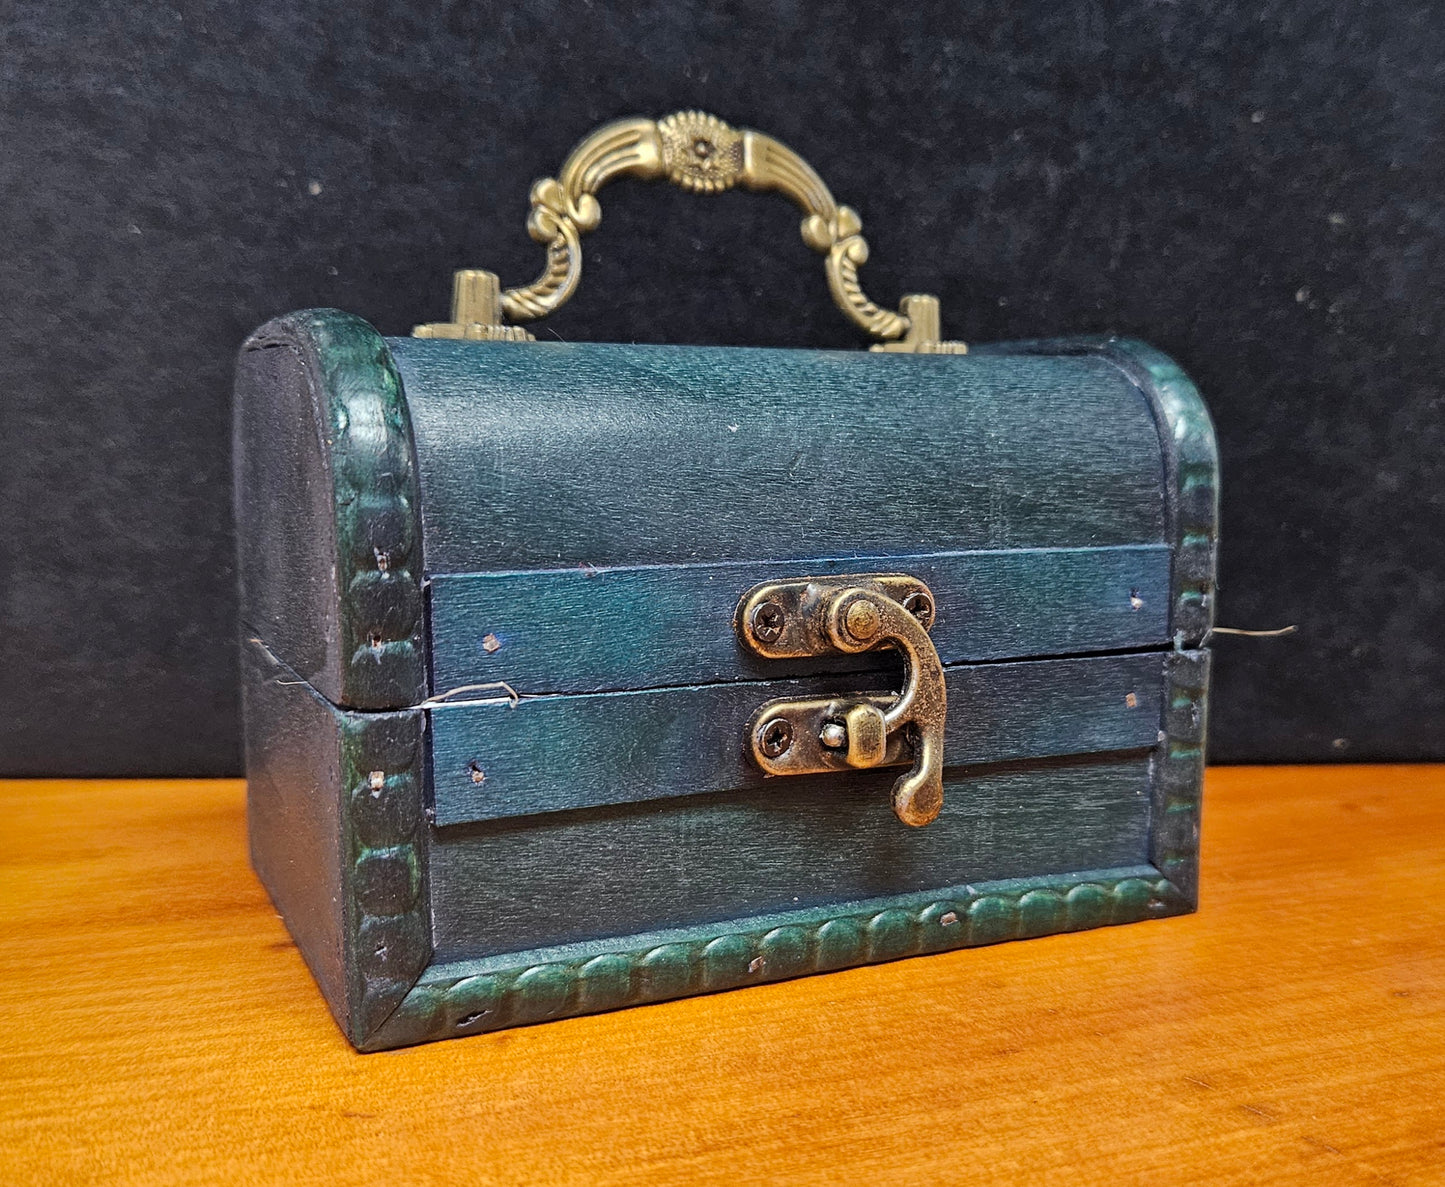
(697,152)
(817,616)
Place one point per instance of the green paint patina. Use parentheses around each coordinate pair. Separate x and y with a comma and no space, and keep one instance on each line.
(372,720)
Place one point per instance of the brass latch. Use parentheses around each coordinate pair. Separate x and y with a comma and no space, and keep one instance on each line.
(817,616)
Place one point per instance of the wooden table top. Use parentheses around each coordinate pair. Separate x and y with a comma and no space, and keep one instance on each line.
(160,1026)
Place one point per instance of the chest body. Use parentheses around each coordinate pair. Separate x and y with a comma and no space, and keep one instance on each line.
(506,697)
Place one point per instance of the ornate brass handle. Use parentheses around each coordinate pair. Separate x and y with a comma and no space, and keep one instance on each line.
(819,615)
(701,153)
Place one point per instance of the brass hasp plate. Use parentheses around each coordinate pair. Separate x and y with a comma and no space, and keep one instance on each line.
(815,616)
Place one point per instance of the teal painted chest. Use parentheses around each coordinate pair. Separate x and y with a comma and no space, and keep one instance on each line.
(580,676)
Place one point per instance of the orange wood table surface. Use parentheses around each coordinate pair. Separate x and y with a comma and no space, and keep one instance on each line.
(160,1026)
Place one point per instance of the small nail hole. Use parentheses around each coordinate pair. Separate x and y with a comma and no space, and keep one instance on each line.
(478,775)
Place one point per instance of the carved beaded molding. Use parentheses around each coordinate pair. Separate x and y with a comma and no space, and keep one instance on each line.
(378,525)
(448,1003)
(387,925)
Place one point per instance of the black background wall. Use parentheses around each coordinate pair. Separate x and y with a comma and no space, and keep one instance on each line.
(1257,189)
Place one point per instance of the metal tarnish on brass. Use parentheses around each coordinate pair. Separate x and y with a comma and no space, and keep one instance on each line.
(700,153)
(476,311)
(823,615)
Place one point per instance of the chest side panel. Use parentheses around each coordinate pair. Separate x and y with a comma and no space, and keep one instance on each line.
(285,516)
(329,540)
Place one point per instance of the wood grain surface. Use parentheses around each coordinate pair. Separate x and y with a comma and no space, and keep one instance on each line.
(160,1027)
(588,630)
(558,753)
(603,454)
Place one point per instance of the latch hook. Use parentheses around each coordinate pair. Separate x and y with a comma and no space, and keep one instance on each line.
(821,615)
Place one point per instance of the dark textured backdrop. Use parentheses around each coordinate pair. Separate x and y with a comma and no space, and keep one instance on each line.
(1256,189)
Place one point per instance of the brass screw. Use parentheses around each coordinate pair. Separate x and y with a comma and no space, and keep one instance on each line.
(863,620)
(920,605)
(776,737)
(767,622)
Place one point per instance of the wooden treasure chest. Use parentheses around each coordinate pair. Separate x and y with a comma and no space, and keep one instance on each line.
(579,676)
